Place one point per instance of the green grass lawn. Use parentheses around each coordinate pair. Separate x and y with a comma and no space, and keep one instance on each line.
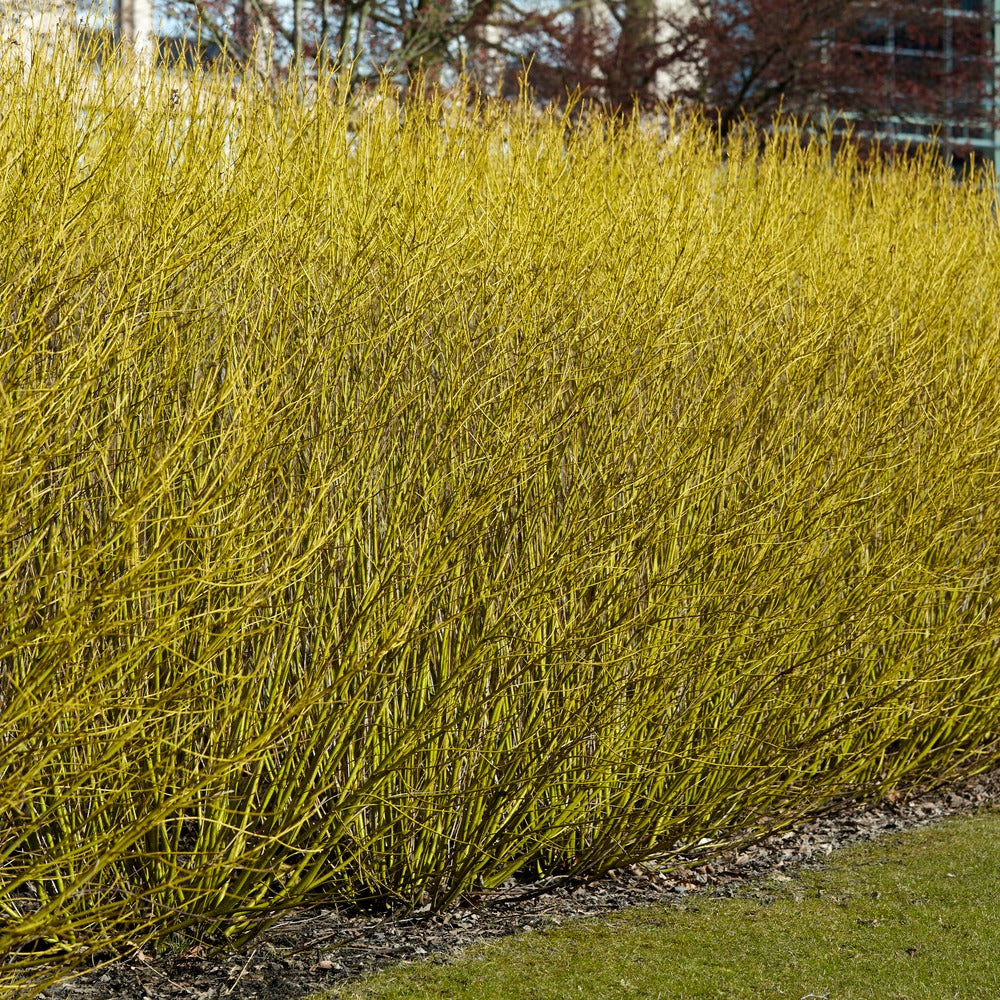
(912,917)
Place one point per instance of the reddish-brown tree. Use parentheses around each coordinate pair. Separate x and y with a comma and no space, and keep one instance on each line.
(903,65)
(893,68)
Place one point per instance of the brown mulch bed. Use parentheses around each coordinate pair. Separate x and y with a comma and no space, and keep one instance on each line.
(316,948)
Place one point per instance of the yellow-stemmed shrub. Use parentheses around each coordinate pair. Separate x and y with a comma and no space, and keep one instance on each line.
(397,497)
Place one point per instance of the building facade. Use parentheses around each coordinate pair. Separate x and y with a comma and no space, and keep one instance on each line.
(938,65)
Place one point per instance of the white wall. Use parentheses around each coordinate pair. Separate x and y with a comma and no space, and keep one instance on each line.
(25,22)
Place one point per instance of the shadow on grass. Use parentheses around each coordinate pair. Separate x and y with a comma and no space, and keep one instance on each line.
(912,917)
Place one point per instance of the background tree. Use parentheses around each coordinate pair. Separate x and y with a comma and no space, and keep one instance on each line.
(910,62)
(371,37)
(893,67)
(623,51)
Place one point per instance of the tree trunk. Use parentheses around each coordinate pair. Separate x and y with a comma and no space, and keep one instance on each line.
(135,26)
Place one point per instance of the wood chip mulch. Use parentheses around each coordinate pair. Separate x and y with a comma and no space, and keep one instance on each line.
(313,949)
